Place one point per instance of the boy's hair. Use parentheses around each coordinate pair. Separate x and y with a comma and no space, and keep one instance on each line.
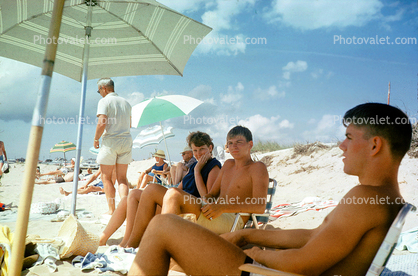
(199,139)
(385,121)
(240,130)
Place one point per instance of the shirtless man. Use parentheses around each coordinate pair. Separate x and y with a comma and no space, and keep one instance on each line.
(377,138)
(241,187)
(3,157)
(68,177)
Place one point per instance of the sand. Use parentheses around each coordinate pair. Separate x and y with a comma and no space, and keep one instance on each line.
(319,174)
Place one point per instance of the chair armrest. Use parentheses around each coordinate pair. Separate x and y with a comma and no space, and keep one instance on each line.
(264,270)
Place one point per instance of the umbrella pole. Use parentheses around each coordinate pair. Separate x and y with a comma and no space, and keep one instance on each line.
(82,105)
(35,138)
(165,142)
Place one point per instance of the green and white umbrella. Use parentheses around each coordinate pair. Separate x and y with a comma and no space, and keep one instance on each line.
(158,109)
(63,146)
(162,108)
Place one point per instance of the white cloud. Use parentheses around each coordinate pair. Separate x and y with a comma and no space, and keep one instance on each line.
(135,98)
(328,129)
(233,96)
(221,19)
(311,15)
(271,92)
(184,5)
(201,92)
(292,67)
(264,128)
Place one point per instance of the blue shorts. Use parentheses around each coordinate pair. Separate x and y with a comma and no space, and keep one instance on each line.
(99,184)
(1,158)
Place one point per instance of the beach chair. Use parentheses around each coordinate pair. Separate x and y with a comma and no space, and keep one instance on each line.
(257,219)
(380,260)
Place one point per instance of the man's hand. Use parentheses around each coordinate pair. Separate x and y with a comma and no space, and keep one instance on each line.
(211,211)
(236,237)
(253,252)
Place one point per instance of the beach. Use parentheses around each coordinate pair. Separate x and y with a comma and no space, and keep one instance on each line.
(316,173)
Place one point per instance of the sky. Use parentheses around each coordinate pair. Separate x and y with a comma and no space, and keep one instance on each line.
(305,64)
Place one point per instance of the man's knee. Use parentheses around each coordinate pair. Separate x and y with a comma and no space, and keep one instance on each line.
(159,221)
(173,194)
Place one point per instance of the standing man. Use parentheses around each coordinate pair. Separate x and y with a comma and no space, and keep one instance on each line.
(3,157)
(114,123)
(178,171)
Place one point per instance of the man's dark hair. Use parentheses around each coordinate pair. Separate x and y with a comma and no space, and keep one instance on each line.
(385,121)
(240,130)
(199,139)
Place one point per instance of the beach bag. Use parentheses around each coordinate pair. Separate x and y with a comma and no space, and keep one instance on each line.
(78,241)
(44,208)
(5,168)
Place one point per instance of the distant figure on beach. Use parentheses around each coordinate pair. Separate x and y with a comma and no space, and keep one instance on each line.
(158,168)
(197,182)
(179,170)
(344,244)
(114,122)
(61,171)
(68,177)
(3,157)
(241,187)
(97,187)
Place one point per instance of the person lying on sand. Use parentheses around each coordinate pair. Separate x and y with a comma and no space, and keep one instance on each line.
(87,188)
(377,138)
(197,182)
(61,171)
(59,179)
(241,186)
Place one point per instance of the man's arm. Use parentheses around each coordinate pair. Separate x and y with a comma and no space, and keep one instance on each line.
(93,177)
(100,128)
(337,237)
(272,238)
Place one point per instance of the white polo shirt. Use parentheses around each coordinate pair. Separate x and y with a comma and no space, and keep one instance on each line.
(118,112)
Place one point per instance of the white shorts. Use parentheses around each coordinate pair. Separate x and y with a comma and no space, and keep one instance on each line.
(115,151)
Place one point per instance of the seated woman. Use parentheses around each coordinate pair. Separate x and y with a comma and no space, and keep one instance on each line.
(138,210)
(159,168)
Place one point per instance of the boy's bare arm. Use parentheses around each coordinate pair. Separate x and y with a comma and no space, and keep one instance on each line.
(272,238)
(326,247)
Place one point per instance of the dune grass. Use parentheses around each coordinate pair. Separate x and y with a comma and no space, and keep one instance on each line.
(266,146)
(413,152)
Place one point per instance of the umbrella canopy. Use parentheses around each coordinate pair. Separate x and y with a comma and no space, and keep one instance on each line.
(63,146)
(162,108)
(127,37)
(152,136)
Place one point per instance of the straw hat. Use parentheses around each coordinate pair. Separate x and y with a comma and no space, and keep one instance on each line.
(77,240)
(186,149)
(159,153)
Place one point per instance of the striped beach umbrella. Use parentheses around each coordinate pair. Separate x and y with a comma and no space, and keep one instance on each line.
(63,146)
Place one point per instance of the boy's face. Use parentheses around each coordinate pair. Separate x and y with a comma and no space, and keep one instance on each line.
(238,145)
(355,149)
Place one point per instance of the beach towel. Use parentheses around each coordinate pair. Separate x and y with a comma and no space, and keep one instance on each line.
(114,259)
(307,204)
(408,240)
(401,265)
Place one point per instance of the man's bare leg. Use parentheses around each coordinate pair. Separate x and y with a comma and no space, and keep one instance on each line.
(179,172)
(138,184)
(151,197)
(184,243)
(109,187)
(123,189)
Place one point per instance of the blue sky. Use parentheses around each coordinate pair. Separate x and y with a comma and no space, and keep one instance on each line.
(293,87)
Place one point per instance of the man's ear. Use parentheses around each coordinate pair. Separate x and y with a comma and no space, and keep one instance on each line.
(377,144)
(251,144)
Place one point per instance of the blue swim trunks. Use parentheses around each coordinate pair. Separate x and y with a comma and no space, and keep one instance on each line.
(99,184)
